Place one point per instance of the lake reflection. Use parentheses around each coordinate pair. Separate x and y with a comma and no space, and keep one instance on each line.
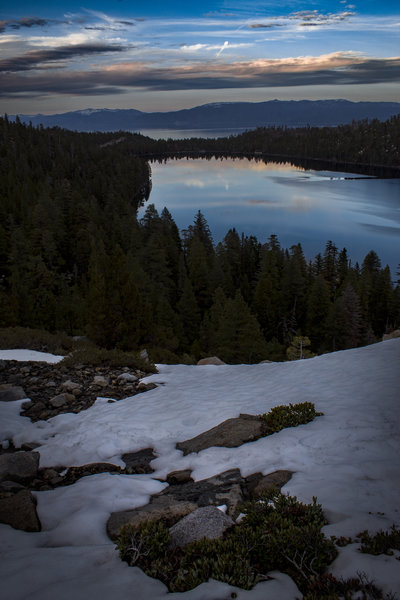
(297,205)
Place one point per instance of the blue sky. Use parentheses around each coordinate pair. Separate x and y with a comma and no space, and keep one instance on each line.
(164,56)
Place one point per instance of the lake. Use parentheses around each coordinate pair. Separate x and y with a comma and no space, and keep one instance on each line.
(298,205)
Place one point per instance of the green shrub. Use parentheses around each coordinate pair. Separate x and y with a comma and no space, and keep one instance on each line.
(90,354)
(35,339)
(290,415)
(383,542)
(278,532)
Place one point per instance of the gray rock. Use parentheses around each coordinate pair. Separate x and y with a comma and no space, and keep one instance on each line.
(226,488)
(19,466)
(61,399)
(70,386)
(101,381)
(10,393)
(10,486)
(139,462)
(208,522)
(162,508)
(211,360)
(179,477)
(19,511)
(127,378)
(259,484)
(230,434)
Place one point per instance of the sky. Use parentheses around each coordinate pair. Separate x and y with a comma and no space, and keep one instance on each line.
(162,56)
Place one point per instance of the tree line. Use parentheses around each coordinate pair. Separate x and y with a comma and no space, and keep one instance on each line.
(74,257)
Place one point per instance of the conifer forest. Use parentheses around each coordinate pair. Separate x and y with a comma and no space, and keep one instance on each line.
(75,257)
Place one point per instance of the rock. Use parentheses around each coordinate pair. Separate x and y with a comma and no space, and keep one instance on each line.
(70,386)
(226,488)
(61,399)
(259,484)
(127,378)
(145,387)
(230,434)
(179,477)
(211,360)
(19,511)
(27,404)
(10,393)
(101,381)
(208,522)
(139,462)
(19,466)
(3,365)
(75,473)
(162,508)
(10,486)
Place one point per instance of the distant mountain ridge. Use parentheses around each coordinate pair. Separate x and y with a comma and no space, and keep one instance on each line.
(221,115)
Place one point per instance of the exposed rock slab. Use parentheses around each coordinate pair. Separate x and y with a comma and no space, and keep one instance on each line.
(19,511)
(75,473)
(208,522)
(162,508)
(139,462)
(19,466)
(179,477)
(259,484)
(230,434)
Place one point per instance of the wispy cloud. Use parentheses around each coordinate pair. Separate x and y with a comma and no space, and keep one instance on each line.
(39,58)
(334,69)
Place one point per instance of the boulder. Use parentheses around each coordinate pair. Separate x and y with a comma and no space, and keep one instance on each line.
(19,511)
(71,386)
(19,466)
(139,462)
(101,381)
(226,488)
(179,477)
(10,393)
(230,434)
(75,473)
(259,484)
(61,400)
(208,522)
(127,378)
(211,360)
(162,508)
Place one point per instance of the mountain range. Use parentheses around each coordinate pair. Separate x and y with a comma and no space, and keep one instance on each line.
(224,115)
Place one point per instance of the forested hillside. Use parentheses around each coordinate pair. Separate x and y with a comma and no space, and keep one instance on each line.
(75,258)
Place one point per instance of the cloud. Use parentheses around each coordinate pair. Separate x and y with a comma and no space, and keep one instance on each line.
(340,68)
(264,25)
(40,58)
(26,22)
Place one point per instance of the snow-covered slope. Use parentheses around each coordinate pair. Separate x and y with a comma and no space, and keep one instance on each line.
(348,458)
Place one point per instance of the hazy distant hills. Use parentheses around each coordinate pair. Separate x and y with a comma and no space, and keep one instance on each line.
(222,115)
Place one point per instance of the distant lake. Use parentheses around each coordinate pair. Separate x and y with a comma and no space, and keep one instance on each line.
(180,134)
(298,205)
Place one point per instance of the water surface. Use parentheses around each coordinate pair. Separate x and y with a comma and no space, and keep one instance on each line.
(298,205)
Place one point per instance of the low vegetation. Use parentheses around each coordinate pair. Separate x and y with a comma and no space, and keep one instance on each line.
(278,532)
(290,415)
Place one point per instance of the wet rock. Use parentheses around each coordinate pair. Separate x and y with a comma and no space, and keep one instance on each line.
(211,360)
(10,393)
(230,434)
(162,508)
(208,522)
(19,511)
(19,466)
(139,462)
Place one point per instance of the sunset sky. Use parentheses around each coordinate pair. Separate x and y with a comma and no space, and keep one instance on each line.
(153,55)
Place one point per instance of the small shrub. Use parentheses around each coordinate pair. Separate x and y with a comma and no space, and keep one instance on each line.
(35,339)
(383,542)
(290,415)
(143,543)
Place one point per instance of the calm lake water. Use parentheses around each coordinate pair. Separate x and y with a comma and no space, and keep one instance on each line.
(298,205)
